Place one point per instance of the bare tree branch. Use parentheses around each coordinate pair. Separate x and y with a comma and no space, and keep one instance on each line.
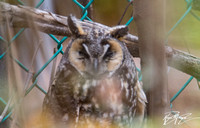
(56,24)
(151,27)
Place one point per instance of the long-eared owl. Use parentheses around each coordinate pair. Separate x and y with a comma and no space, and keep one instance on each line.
(96,83)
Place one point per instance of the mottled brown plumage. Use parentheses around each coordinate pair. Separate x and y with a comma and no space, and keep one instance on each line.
(96,82)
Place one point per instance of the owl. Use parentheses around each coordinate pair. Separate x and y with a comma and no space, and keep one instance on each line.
(96,83)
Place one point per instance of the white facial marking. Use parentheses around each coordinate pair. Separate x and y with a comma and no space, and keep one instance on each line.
(86,48)
(105,49)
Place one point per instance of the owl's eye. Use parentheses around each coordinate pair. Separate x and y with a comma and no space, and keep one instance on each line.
(109,54)
(83,54)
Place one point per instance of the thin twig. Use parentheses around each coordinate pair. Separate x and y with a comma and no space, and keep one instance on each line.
(30,74)
(6,109)
(53,69)
(130,3)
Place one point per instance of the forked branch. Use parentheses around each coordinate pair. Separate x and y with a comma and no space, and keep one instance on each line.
(21,16)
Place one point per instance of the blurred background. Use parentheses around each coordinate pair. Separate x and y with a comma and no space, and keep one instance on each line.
(33,49)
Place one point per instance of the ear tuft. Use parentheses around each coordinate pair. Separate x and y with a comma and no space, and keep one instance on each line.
(119,31)
(74,26)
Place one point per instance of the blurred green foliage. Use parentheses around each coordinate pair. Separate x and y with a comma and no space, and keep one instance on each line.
(110,12)
(187,34)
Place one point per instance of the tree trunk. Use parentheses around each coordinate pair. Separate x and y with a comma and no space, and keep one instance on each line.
(150,21)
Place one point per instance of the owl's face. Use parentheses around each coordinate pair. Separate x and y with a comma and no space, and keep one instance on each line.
(96,54)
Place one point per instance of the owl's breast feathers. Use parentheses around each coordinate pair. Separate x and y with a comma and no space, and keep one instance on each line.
(118,98)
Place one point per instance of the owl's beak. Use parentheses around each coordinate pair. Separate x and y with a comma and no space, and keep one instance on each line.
(95,66)
(92,71)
